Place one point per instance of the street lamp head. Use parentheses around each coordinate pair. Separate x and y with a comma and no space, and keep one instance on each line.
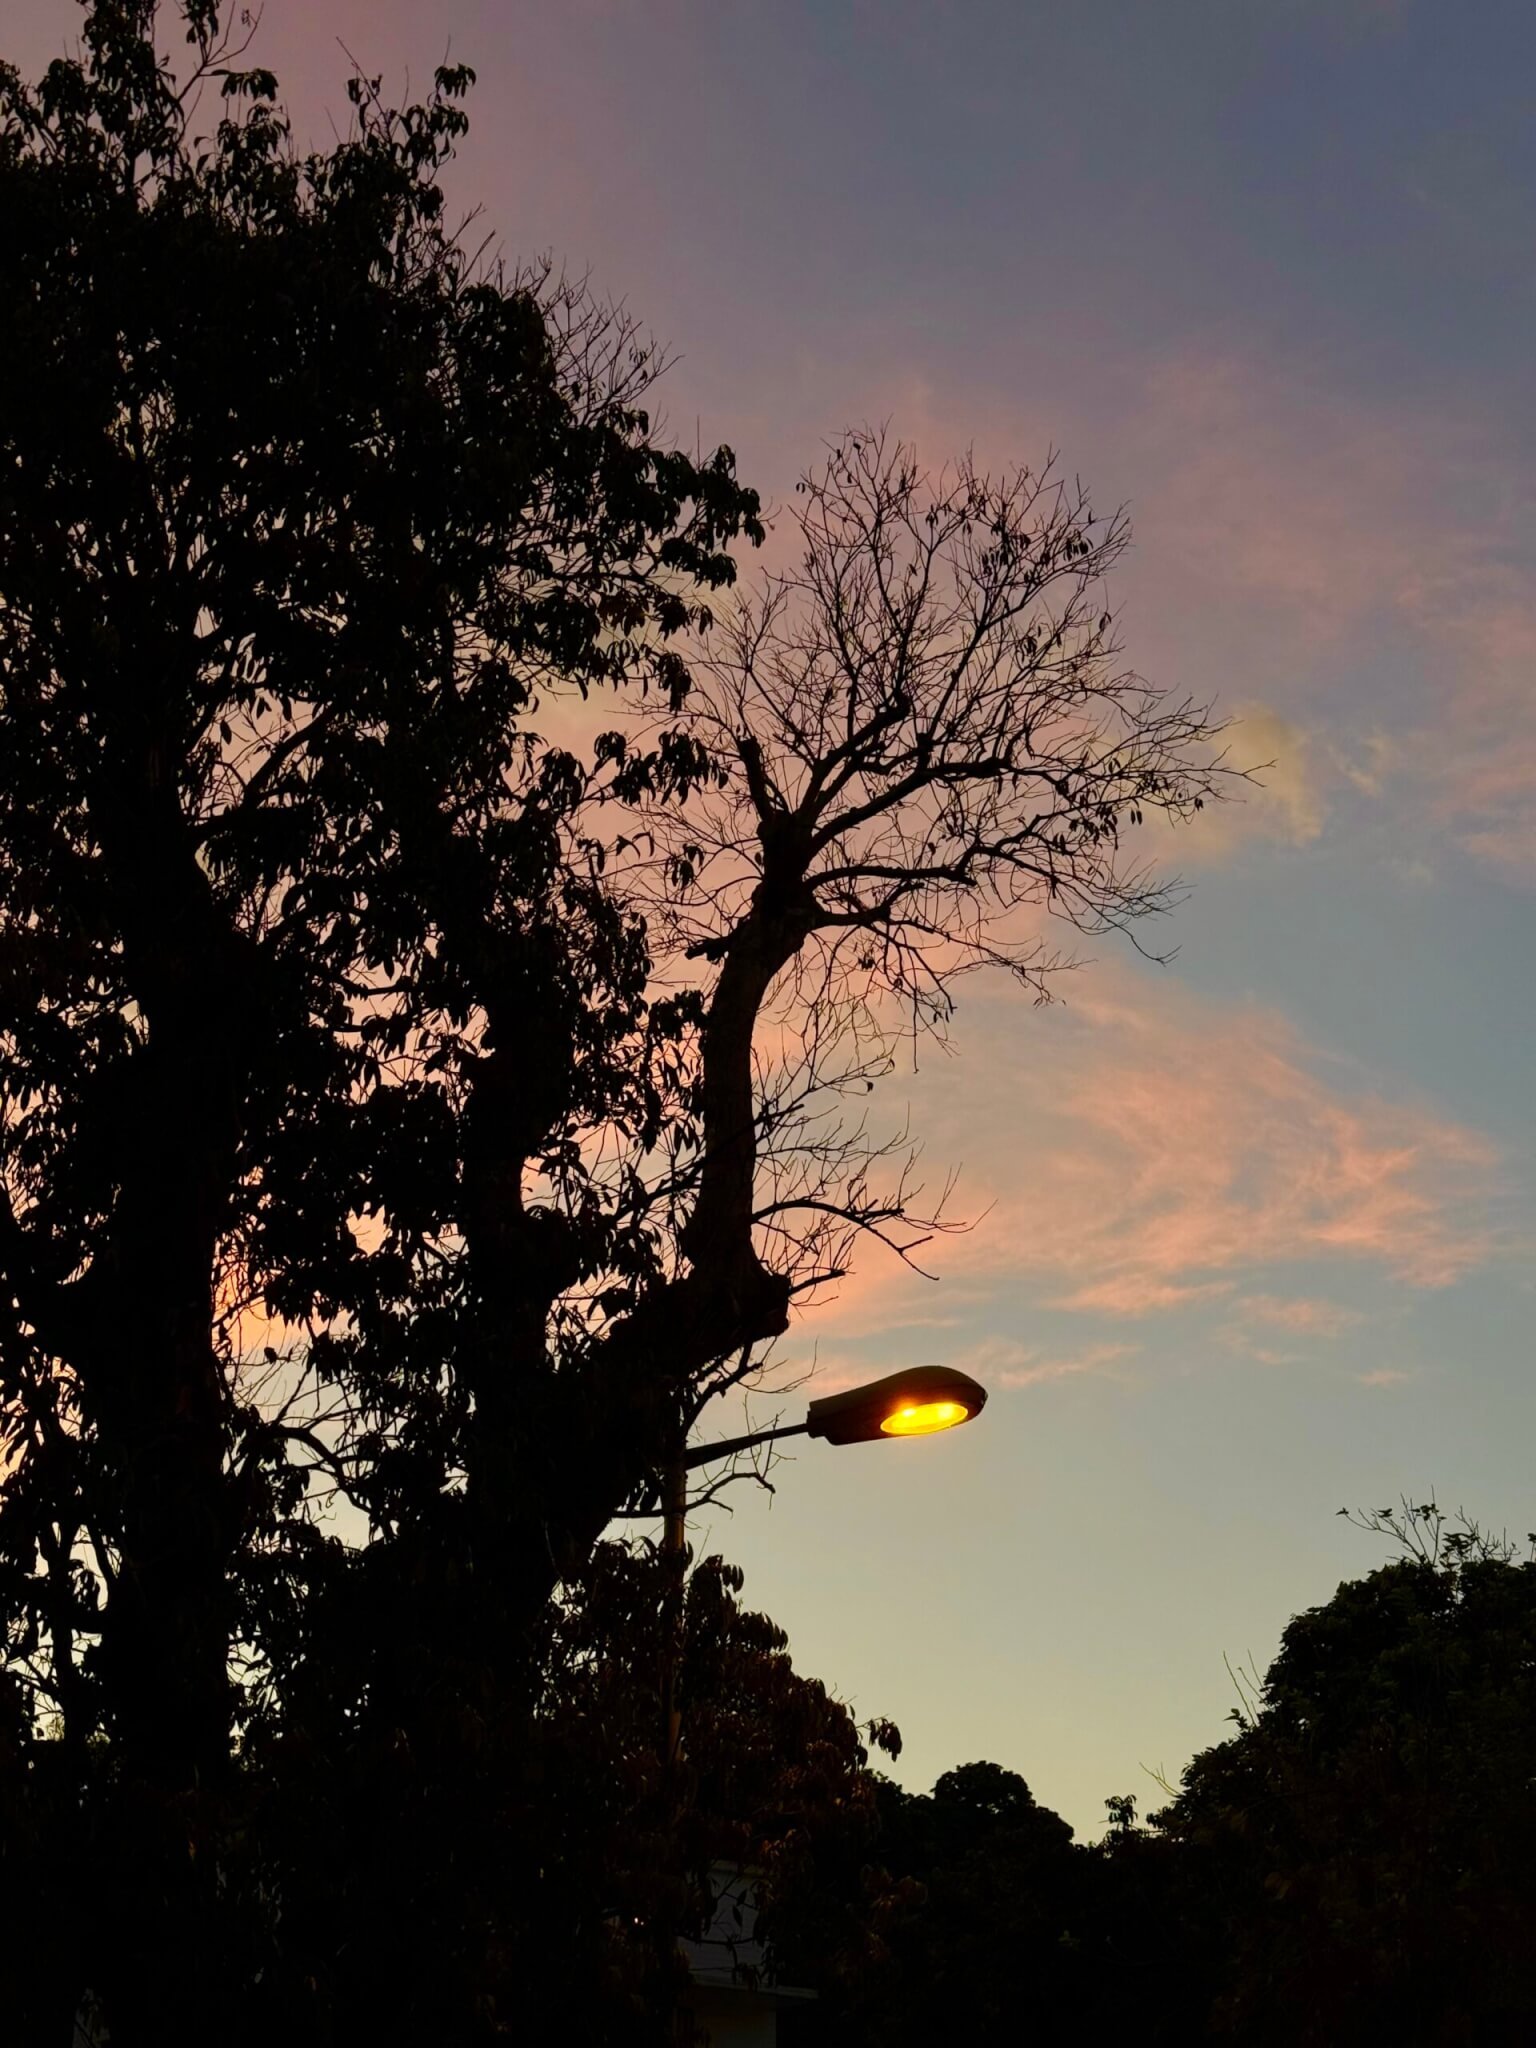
(916,1402)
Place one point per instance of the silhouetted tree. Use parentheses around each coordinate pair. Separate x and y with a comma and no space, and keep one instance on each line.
(771,1780)
(988,1954)
(363,1143)
(985,1922)
(1359,1852)
(300,510)
(928,752)
(1353,1860)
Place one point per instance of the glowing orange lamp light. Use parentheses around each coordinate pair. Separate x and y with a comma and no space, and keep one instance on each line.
(921,1418)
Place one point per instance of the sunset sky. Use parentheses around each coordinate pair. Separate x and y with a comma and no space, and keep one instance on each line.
(1256,1226)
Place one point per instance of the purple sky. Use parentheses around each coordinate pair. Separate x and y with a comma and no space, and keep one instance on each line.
(1258,1225)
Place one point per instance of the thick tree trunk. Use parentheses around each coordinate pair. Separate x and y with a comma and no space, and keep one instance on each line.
(154,1395)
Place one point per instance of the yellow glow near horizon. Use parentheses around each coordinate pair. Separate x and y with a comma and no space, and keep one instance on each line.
(923,1417)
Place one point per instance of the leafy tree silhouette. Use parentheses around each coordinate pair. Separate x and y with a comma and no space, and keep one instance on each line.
(301,511)
(771,1782)
(1360,1846)
(977,1920)
(1353,1858)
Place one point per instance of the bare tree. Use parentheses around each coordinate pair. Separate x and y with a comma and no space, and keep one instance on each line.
(929,754)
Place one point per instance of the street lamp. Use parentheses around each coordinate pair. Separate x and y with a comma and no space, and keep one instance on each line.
(921,1400)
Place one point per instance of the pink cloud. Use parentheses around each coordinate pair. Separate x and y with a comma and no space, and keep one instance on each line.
(1303,527)
(1309,1318)
(1135,1293)
(1137,1152)
(1095,1359)
(1479,770)
(1287,534)
(1006,1362)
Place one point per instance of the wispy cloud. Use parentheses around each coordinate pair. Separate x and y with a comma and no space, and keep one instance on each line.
(1139,1152)
(1257,1321)
(1312,529)
(1307,1317)
(1005,1362)
(1284,803)
(1353,579)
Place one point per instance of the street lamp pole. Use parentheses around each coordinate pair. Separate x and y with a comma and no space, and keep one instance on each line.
(674,1538)
(918,1402)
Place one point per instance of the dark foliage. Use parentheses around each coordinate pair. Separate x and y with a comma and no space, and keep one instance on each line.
(1353,1861)
(985,1921)
(390,1905)
(998,1875)
(299,512)
(1361,1848)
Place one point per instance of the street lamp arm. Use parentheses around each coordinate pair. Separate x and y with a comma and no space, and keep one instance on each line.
(727,1447)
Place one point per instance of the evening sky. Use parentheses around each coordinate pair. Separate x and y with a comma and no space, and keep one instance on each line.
(1254,1228)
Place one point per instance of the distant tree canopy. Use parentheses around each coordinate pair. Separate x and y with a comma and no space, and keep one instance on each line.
(1362,1845)
(984,1949)
(391,1118)
(1352,1862)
